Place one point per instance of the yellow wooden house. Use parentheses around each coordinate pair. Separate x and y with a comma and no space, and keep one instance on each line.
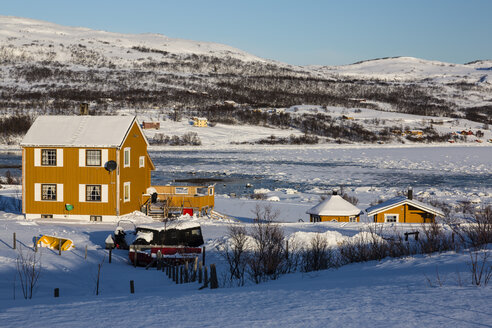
(84,167)
(200,121)
(336,209)
(165,201)
(403,210)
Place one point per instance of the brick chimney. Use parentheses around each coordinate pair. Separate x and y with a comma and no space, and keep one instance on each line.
(84,109)
(410,193)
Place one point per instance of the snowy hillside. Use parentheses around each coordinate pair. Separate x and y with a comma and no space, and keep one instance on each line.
(50,68)
(42,41)
(415,69)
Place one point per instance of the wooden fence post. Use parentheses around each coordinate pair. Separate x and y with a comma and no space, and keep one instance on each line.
(85,257)
(214,283)
(159,258)
(195,269)
(287,250)
(110,251)
(205,277)
(14,245)
(187,273)
(35,244)
(181,274)
(200,273)
(59,246)
(132,287)
(203,256)
(173,272)
(57,292)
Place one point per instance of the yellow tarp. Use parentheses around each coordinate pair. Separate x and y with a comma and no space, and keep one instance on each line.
(55,242)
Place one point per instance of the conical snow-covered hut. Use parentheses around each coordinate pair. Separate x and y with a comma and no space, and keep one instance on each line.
(334,208)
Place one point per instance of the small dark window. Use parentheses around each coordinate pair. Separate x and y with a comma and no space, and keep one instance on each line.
(93,157)
(93,193)
(46,216)
(48,192)
(48,157)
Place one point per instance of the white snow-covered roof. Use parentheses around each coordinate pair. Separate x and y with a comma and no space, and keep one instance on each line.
(78,131)
(177,224)
(334,206)
(400,200)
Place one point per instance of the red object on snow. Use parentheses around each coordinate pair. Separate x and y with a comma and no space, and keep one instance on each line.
(188,211)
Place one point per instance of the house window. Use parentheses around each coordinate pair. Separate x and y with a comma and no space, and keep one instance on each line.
(353,219)
(141,161)
(48,157)
(93,157)
(48,192)
(391,218)
(126,157)
(181,190)
(126,191)
(93,193)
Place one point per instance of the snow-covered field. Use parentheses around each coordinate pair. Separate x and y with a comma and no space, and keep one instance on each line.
(421,291)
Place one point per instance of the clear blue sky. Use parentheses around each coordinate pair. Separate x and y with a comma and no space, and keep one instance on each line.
(302,32)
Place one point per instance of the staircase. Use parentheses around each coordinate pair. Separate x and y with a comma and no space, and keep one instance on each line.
(156,210)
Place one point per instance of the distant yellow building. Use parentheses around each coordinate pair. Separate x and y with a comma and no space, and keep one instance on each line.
(334,208)
(200,121)
(403,210)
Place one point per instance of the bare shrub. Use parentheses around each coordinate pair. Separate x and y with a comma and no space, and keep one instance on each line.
(366,246)
(191,138)
(17,124)
(28,270)
(351,199)
(318,256)
(398,247)
(268,256)
(480,267)
(479,232)
(188,139)
(435,239)
(235,253)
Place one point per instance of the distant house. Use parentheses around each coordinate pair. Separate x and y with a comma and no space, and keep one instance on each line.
(417,133)
(403,210)
(200,121)
(334,208)
(85,167)
(151,125)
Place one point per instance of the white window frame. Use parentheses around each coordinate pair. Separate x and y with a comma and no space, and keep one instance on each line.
(141,161)
(210,191)
(181,190)
(125,156)
(87,157)
(352,219)
(125,198)
(397,216)
(53,160)
(88,196)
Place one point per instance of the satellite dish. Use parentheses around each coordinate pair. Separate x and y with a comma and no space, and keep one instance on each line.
(110,166)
